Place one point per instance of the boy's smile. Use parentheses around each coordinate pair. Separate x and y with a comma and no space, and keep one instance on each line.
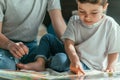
(90,13)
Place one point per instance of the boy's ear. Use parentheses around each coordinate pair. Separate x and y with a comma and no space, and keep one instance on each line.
(105,6)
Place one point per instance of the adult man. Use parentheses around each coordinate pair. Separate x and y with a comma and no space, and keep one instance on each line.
(19,22)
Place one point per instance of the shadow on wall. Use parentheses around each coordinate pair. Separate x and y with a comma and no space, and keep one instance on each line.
(113,10)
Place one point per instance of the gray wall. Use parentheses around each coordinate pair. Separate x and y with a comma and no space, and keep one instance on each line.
(114,10)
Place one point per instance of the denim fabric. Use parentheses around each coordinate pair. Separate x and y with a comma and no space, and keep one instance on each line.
(60,63)
(32,52)
(7,61)
(85,67)
(51,47)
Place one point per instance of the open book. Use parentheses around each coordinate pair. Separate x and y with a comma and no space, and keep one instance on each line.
(53,75)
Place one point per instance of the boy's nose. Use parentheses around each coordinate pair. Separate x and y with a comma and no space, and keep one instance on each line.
(87,17)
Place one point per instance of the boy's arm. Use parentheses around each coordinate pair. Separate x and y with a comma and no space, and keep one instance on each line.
(75,65)
(58,22)
(70,49)
(112,59)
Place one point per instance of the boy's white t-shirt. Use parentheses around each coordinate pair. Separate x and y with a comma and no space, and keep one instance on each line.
(93,43)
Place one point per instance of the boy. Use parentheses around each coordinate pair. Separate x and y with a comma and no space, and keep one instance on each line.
(91,37)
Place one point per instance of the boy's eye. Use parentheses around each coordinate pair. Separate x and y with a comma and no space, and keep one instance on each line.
(94,12)
(82,11)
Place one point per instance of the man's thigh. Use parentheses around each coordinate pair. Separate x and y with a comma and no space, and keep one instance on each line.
(7,61)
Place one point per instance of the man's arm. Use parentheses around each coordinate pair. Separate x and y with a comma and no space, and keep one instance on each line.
(4,41)
(58,22)
(16,49)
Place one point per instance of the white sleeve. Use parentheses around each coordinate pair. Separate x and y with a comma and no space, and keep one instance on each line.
(53,4)
(2,7)
(70,31)
(114,39)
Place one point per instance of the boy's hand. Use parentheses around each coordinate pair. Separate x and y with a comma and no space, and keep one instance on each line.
(76,68)
(110,69)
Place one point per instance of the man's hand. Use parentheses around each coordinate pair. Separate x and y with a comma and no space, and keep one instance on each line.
(17,49)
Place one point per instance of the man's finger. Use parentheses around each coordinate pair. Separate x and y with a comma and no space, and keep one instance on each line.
(25,48)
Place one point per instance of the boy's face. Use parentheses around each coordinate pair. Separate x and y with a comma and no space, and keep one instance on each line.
(90,13)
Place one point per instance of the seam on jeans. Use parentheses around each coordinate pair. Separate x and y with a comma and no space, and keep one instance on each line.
(41,56)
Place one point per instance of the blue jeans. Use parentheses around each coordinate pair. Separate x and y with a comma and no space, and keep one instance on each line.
(52,50)
(7,61)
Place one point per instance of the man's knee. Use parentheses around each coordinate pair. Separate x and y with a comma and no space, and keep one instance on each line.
(60,57)
(60,62)
(48,36)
